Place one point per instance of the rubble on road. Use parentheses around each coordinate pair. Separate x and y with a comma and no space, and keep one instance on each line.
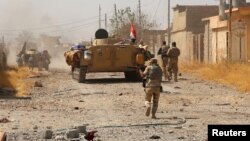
(38,84)
(76,133)
(4,120)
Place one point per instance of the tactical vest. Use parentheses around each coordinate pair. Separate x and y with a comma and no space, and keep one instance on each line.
(155,72)
(174,52)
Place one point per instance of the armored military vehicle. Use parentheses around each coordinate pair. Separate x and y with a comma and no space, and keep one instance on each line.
(106,55)
(30,56)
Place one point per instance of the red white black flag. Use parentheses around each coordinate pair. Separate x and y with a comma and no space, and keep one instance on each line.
(132,31)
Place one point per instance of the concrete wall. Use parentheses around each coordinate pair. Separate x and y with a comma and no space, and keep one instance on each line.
(179,21)
(219,45)
(215,40)
(188,30)
(196,14)
(207,43)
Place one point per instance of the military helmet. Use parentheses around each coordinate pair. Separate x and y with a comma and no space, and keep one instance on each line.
(153,60)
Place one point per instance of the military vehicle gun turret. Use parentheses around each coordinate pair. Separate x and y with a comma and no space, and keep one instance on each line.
(106,55)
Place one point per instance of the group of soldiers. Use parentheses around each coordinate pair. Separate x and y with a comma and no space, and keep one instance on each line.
(154,73)
(169,58)
(39,60)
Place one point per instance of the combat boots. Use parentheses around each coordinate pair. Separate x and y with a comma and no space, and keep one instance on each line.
(148,105)
(154,109)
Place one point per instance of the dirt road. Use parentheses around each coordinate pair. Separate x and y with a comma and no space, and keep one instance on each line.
(115,108)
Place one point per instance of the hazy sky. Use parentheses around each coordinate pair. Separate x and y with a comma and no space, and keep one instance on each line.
(74,19)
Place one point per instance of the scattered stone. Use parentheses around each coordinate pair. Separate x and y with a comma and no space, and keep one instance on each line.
(155,137)
(171,131)
(120,94)
(191,125)
(35,76)
(178,127)
(185,104)
(181,138)
(72,133)
(176,87)
(60,138)
(181,109)
(81,128)
(38,84)
(76,108)
(183,79)
(35,127)
(81,100)
(180,74)
(48,134)
(15,127)
(4,120)
(176,93)
(223,104)
(175,117)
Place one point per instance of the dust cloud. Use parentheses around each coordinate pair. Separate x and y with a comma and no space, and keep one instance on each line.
(22,23)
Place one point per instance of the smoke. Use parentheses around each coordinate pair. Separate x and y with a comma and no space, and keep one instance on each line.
(59,63)
(18,16)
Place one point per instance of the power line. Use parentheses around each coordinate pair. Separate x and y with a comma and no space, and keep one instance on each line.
(159,2)
(49,26)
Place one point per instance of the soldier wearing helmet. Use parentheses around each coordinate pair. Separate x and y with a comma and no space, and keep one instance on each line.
(173,54)
(153,73)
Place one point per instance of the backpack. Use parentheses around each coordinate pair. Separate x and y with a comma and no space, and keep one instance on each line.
(155,72)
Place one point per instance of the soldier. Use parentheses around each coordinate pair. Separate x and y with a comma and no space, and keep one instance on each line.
(19,61)
(153,73)
(31,62)
(173,54)
(163,52)
(141,44)
(145,50)
(45,59)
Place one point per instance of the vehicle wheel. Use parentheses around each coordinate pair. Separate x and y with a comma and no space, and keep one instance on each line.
(132,76)
(79,74)
(82,74)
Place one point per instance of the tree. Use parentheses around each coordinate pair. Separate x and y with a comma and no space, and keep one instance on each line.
(124,18)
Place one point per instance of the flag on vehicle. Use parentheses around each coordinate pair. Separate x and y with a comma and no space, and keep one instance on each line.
(132,31)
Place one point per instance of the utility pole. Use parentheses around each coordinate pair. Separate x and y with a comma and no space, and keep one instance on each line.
(230,42)
(106,21)
(139,6)
(169,31)
(100,25)
(116,20)
(3,38)
(140,25)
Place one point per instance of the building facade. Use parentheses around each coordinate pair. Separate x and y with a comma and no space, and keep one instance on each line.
(216,41)
(188,30)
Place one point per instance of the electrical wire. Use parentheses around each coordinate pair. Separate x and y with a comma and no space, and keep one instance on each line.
(50,26)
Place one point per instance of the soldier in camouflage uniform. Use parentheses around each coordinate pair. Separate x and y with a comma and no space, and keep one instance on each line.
(153,86)
(173,54)
(163,52)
